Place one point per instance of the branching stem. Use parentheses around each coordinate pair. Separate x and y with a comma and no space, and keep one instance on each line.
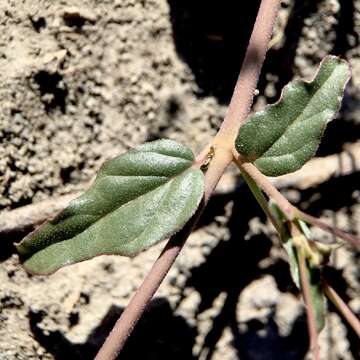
(351,239)
(128,319)
(286,207)
(238,111)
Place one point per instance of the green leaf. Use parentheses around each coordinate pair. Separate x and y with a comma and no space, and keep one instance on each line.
(138,199)
(284,136)
(317,296)
(286,241)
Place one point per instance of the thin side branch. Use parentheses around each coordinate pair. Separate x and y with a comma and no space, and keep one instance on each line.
(286,207)
(309,306)
(351,239)
(344,309)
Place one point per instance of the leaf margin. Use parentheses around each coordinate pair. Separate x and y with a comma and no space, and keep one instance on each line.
(239,143)
(199,197)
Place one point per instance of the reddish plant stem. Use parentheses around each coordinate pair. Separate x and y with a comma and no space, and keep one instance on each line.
(306,292)
(353,240)
(310,314)
(128,319)
(344,310)
(243,95)
(286,207)
(238,111)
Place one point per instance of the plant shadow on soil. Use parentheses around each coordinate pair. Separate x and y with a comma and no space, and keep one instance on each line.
(233,265)
(211,37)
(230,267)
(159,335)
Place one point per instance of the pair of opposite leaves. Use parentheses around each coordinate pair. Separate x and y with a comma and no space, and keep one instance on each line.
(150,192)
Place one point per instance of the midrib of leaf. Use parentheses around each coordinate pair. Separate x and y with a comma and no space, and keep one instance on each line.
(148,225)
(186,161)
(167,183)
(128,202)
(99,217)
(169,180)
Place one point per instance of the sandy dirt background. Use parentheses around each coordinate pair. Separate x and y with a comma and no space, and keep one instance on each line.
(82,81)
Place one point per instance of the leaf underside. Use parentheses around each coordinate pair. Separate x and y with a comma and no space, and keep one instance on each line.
(286,241)
(317,296)
(138,199)
(284,136)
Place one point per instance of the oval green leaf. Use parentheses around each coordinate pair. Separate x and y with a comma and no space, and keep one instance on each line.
(138,199)
(284,136)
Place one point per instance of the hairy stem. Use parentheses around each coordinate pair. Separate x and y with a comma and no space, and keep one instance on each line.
(344,310)
(238,111)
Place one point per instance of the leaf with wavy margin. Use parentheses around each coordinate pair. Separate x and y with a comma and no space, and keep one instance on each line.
(284,136)
(138,199)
